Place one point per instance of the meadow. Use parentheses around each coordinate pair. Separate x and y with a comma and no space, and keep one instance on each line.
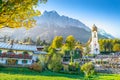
(26,74)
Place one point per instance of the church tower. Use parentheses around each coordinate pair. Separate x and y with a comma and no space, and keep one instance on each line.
(94,45)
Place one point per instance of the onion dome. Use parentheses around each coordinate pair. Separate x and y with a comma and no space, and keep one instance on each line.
(94,28)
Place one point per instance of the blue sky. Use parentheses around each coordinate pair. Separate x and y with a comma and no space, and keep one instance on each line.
(104,13)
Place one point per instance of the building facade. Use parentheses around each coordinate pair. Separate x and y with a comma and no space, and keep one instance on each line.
(19,54)
(94,45)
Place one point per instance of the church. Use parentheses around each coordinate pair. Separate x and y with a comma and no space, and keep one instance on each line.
(94,45)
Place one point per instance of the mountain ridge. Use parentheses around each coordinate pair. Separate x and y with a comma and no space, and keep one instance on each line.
(51,24)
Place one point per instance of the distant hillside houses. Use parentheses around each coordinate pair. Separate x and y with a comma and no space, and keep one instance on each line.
(7,39)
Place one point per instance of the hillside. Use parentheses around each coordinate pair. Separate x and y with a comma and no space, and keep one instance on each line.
(51,24)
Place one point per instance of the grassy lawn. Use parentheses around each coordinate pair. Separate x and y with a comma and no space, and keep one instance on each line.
(26,74)
(106,77)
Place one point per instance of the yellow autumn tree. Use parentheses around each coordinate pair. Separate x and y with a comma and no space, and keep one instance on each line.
(70,42)
(18,13)
(57,42)
(116,47)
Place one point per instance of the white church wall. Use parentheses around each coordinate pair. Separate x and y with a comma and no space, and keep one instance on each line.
(94,45)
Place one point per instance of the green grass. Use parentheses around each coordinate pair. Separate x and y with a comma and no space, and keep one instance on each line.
(26,74)
(102,76)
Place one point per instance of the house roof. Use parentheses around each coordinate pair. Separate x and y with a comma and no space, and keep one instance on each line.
(40,52)
(18,46)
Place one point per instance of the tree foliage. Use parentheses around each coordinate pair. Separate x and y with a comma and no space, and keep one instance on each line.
(18,13)
(74,67)
(70,42)
(42,60)
(36,67)
(88,69)
(57,42)
(55,63)
(79,46)
(87,50)
(109,45)
(54,57)
(116,47)
(38,41)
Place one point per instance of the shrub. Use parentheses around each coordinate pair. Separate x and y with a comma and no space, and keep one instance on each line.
(42,60)
(55,63)
(36,67)
(57,67)
(74,67)
(65,67)
(88,69)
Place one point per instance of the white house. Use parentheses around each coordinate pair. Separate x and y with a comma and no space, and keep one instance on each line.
(19,54)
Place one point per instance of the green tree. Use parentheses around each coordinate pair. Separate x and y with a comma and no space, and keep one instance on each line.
(36,67)
(29,40)
(87,50)
(108,45)
(18,13)
(54,58)
(88,69)
(55,63)
(57,42)
(38,41)
(101,43)
(42,60)
(46,47)
(79,46)
(70,42)
(43,43)
(116,47)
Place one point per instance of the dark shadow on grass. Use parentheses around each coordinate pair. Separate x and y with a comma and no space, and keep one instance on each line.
(26,71)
